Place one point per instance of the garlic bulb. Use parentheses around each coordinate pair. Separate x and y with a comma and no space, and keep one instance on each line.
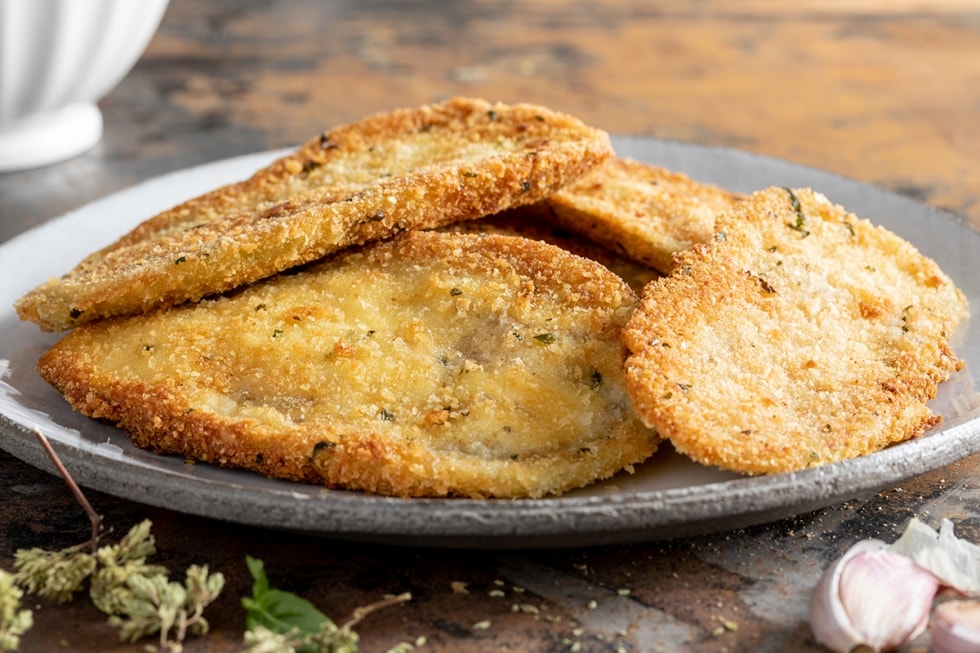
(871,597)
(955,627)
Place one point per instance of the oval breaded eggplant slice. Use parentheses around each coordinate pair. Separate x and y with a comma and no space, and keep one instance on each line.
(431,365)
(410,168)
(800,335)
(641,210)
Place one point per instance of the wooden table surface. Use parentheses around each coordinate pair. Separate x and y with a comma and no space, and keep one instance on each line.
(884,92)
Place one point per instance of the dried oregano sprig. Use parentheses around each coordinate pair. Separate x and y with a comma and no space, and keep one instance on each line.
(55,575)
(59,574)
(14,621)
(119,563)
(153,604)
(139,597)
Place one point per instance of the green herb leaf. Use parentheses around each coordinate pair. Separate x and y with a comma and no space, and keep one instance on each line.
(546,338)
(277,610)
(257,568)
(800,216)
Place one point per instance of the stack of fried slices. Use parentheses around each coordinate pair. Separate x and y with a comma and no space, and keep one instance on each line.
(482,300)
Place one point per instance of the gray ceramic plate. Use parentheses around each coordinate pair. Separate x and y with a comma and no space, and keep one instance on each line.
(667,497)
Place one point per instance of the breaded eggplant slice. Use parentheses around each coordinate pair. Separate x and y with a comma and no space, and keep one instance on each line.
(538,222)
(800,335)
(431,365)
(411,168)
(643,211)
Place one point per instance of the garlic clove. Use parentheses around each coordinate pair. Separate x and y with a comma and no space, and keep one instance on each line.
(955,627)
(873,598)
(888,596)
(829,620)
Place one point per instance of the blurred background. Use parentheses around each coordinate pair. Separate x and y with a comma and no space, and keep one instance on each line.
(886,92)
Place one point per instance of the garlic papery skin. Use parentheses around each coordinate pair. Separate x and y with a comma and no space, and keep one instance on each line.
(954,561)
(955,627)
(871,598)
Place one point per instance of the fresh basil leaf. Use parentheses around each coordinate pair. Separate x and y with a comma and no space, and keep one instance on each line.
(257,568)
(277,610)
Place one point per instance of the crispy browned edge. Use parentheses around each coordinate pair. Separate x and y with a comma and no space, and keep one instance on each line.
(671,214)
(233,236)
(713,279)
(339,456)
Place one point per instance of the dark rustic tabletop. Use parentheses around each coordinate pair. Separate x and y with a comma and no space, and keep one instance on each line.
(883,92)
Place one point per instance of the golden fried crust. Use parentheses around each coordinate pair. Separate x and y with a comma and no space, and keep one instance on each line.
(644,211)
(431,365)
(800,335)
(407,169)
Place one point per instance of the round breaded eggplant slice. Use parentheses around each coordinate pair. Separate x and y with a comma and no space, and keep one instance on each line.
(800,335)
